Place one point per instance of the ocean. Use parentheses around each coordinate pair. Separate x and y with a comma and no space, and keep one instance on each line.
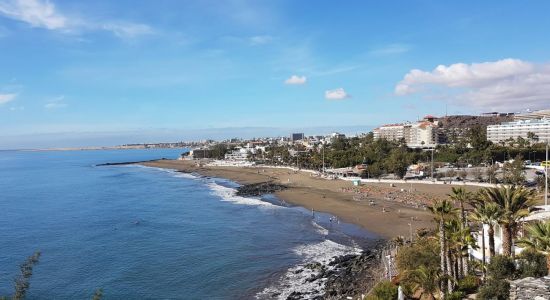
(146,233)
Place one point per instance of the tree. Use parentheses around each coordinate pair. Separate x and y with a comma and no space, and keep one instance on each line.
(477,137)
(424,252)
(513,171)
(514,203)
(532,137)
(487,213)
(398,162)
(427,280)
(461,196)
(375,170)
(443,210)
(383,290)
(532,263)
(538,238)
(491,173)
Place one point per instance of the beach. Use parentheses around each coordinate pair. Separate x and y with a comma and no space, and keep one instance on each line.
(378,207)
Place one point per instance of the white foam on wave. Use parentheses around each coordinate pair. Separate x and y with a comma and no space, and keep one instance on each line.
(230,195)
(296,278)
(320,229)
(174,172)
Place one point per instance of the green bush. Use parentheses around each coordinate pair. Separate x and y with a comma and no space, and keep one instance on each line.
(498,289)
(468,284)
(455,296)
(532,264)
(384,290)
(424,252)
(501,267)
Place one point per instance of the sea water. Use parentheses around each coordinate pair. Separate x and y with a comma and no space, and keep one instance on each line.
(146,233)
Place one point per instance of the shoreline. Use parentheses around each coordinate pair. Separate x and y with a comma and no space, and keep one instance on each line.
(387,218)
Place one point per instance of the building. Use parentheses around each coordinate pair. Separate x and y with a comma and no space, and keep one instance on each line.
(199,153)
(422,134)
(238,154)
(538,114)
(520,128)
(390,132)
(296,137)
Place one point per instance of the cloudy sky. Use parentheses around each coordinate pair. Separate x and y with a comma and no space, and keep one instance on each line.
(135,70)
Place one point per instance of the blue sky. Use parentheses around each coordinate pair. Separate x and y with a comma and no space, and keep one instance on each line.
(140,71)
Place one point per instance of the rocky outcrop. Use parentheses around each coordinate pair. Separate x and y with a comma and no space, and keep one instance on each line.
(353,275)
(258,189)
(128,162)
(344,276)
(530,289)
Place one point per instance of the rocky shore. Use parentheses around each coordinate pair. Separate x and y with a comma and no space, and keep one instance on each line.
(345,276)
(259,189)
(348,275)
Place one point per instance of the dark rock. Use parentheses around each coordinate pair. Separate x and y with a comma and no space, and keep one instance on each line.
(258,189)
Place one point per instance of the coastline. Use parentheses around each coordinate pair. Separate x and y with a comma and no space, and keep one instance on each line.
(388,218)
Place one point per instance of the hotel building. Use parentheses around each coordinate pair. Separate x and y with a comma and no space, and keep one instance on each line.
(422,134)
(519,128)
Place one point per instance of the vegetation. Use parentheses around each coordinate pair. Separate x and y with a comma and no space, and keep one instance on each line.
(532,263)
(513,203)
(497,287)
(438,265)
(384,290)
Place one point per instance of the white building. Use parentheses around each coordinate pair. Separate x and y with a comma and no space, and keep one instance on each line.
(422,134)
(390,132)
(239,154)
(542,214)
(538,114)
(520,128)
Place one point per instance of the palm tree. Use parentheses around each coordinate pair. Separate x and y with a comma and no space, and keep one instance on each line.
(538,238)
(514,203)
(443,210)
(461,196)
(487,213)
(426,279)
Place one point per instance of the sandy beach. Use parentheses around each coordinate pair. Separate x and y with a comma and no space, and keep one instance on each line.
(378,207)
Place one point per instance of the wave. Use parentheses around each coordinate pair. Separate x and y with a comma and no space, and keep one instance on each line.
(230,195)
(320,229)
(297,279)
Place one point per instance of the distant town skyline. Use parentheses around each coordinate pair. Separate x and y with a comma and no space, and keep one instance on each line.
(91,73)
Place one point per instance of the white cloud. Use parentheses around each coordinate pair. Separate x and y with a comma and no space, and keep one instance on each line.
(127,30)
(391,49)
(57,102)
(5,98)
(260,40)
(295,79)
(43,14)
(508,84)
(17,108)
(336,94)
(35,12)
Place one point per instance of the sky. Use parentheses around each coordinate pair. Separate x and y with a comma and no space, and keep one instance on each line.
(90,73)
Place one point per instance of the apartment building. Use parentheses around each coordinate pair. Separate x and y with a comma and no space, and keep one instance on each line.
(422,134)
(519,128)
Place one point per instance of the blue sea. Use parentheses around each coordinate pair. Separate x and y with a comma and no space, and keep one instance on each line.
(146,233)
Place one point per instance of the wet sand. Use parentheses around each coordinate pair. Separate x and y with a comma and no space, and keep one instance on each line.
(379,208)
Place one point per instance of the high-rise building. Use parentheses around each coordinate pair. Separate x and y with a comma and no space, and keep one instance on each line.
(296,137)
(521,128)
(422,134)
